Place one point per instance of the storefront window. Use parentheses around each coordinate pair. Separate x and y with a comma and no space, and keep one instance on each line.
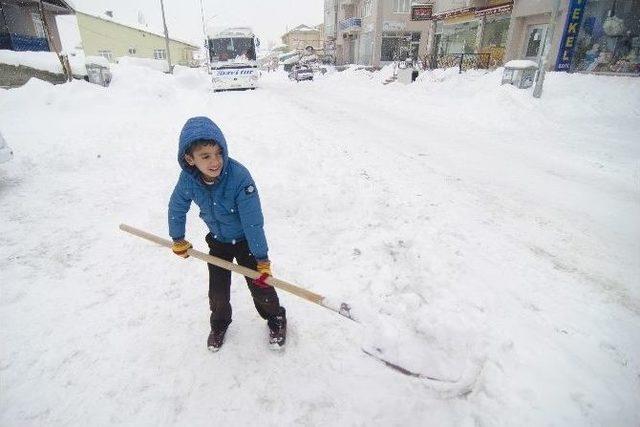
(398,46)
(494,39)
(609,37)
(459,38)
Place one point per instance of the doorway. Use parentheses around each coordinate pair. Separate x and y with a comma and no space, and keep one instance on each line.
(534,42)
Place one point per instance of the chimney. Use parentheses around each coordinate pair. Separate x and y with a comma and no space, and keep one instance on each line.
(109,13)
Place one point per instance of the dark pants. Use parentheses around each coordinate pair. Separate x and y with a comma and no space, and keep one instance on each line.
(264,298)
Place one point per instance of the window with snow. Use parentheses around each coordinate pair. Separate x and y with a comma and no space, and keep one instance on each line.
(132,51)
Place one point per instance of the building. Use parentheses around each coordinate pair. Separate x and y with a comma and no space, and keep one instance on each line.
(377,32)
(303,36)
(370,32)
(22,27)
(591,36)
(103,36)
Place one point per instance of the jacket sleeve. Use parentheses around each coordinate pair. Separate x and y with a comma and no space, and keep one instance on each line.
(250,212)
(179,205)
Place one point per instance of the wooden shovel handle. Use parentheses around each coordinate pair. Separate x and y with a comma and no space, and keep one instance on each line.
(247,272)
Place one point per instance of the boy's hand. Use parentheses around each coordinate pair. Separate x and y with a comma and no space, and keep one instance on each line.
(264,268)
(180,248)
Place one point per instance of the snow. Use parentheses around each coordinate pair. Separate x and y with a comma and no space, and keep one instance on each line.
(45,61)
(521,64)
(466,223)
(97,60)
(48,61)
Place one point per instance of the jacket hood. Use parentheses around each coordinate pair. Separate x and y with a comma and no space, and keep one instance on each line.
(195,129)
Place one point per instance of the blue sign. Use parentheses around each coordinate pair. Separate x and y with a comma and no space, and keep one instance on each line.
(570,35)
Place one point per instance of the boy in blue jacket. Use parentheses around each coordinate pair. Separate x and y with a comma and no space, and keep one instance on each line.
(230,206)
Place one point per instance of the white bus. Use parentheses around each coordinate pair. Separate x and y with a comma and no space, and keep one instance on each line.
(232,55)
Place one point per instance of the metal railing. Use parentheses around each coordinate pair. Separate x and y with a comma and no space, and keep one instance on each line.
(464,61)
(21,42)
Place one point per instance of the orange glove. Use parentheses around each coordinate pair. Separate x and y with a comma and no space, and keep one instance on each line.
(264,268)
(180,248)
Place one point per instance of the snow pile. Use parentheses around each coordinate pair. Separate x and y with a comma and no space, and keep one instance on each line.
(154,64)
(45,61)
(465,222)
(48,61)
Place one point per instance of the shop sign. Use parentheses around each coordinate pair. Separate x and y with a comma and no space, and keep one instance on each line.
(421,12)
(495,10)
(393,26)
(570,35)
(453,13)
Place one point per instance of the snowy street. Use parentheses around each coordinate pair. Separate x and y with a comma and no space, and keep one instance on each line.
(482,225)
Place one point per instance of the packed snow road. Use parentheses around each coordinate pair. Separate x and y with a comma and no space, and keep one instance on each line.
(496,229)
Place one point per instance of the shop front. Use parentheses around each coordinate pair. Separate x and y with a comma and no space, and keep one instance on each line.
(399,45)
(482,32)
(601,36)
(495,30)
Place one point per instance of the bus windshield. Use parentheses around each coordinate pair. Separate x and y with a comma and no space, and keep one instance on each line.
(229,48)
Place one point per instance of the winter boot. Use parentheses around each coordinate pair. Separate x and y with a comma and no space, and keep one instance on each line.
(277,331)
(216,338)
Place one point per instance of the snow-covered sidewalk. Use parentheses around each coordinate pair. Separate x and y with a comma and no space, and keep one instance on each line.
(494,227)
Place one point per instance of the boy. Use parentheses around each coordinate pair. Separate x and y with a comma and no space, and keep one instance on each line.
(230,206)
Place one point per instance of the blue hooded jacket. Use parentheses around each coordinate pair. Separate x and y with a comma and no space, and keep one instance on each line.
(230,207)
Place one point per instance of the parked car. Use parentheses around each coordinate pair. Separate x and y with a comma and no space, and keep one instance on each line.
(6,153)
(301,72)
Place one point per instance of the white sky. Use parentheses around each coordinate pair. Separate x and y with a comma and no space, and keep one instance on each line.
(268,18)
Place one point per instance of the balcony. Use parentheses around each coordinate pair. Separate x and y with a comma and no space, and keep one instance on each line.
(350,25)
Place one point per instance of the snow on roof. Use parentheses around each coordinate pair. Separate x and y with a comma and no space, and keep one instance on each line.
(48,61)
(302,28)
(139,27)
(44,61)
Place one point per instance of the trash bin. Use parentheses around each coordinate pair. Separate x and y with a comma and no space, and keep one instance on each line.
(520,73)
(98,71)
(98,74)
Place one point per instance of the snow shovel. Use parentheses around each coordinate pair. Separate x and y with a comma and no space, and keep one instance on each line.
(446,386)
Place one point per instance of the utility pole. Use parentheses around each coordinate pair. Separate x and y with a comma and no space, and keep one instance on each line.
(166,37)
(544,58)
(206,39)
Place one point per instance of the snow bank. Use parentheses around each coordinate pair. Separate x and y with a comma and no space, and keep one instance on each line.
(154,64)
(45,61)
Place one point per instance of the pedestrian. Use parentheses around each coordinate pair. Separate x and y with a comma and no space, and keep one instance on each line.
(230,206)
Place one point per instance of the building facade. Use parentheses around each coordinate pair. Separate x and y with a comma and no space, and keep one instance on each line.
(374,32)
(22,27)
(102,36)
(304,36)
(591,36)
(479,27)
(597,36)
(377,32)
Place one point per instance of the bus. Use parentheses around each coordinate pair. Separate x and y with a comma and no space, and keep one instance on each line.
(232,58)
